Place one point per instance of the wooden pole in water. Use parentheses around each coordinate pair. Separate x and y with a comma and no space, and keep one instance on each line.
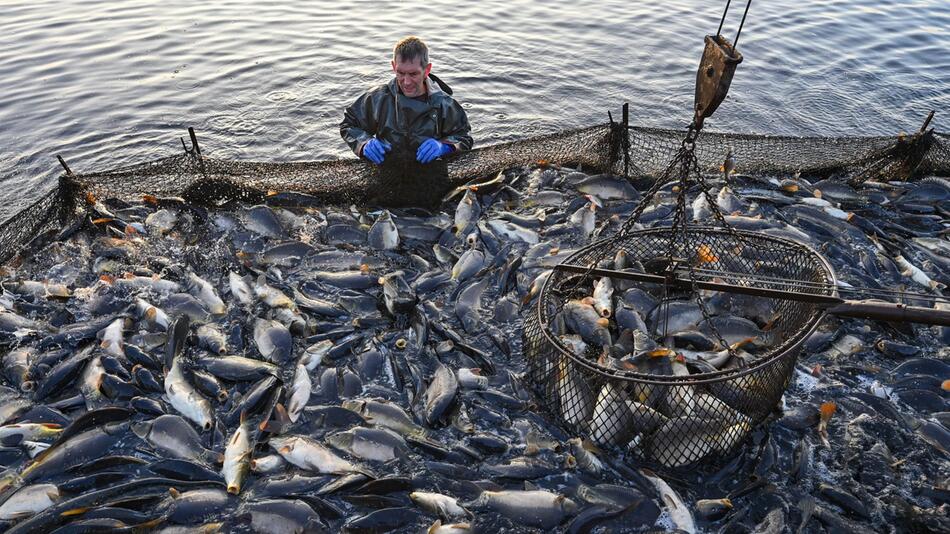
(626,139)
(194,141)
(62,162)
(927,121)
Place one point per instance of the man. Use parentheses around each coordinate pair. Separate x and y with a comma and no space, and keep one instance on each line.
(413,115)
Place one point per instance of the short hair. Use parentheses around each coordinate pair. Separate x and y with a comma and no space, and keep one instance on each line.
(411,48)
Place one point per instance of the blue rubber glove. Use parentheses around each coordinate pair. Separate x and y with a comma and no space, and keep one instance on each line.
(432,149)
(375,150)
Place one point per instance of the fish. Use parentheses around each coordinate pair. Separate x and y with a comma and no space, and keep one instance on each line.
(608,187)
(582,319)
(583,219)
(386,361)
(172,436)
(826,411)
(449,528)
(30,431)
(272,296)
(398,296)
(29,500)
(603,297)
(310,455)
(576,400)
(16,368)
(237,457)
(713,509)
(185,399)
(468,305)
(512,231)
(444,506)
(374,444)
(728,165)
(283,516)
(205,292)
(385,414)
(111,338)
(917,275)
(610,423)
(209,337)
(152,314)
(466,213)
(679,513)
(440,395)
(238,368)
(468,264)
(299,393)
(384,235)
(537,508)
(273,340)
(241,289)
(727,201)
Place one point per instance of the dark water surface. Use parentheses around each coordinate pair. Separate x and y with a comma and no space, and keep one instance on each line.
(110,83)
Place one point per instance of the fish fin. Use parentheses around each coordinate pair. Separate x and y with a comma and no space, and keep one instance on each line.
(74,511)
(282,415)
(148,526)
(529,486)
(174,493)
(435,527)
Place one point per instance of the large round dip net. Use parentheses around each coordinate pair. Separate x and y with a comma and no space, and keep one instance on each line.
(704,367)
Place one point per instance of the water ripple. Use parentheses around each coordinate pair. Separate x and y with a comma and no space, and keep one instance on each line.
(109,83)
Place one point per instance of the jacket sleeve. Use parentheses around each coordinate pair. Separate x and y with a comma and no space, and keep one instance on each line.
(455,127)
(359,123)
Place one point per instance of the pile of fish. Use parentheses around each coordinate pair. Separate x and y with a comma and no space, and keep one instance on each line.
(294,367)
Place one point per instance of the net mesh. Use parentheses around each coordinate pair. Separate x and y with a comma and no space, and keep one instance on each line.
(678,420)
(209,180)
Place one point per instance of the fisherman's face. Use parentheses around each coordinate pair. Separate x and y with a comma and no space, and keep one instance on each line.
(411,75)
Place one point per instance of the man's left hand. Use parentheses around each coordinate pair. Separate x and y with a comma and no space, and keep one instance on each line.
(432,149)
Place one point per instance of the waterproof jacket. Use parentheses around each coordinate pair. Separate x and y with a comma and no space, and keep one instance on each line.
(404,122)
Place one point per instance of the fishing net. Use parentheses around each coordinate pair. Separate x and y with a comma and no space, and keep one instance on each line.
(208,180)
(678,420)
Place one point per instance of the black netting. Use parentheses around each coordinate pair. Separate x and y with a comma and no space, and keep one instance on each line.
(678,420)
(210,180)
(651,150)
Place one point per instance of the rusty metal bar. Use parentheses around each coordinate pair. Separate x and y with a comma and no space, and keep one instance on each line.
(878,311)
(886,311)
(715,286)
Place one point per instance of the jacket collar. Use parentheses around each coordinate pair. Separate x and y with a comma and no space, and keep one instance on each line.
(434,87)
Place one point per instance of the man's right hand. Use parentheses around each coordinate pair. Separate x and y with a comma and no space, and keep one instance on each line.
(375,150)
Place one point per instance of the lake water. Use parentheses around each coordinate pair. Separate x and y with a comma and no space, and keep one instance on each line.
(110,83)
